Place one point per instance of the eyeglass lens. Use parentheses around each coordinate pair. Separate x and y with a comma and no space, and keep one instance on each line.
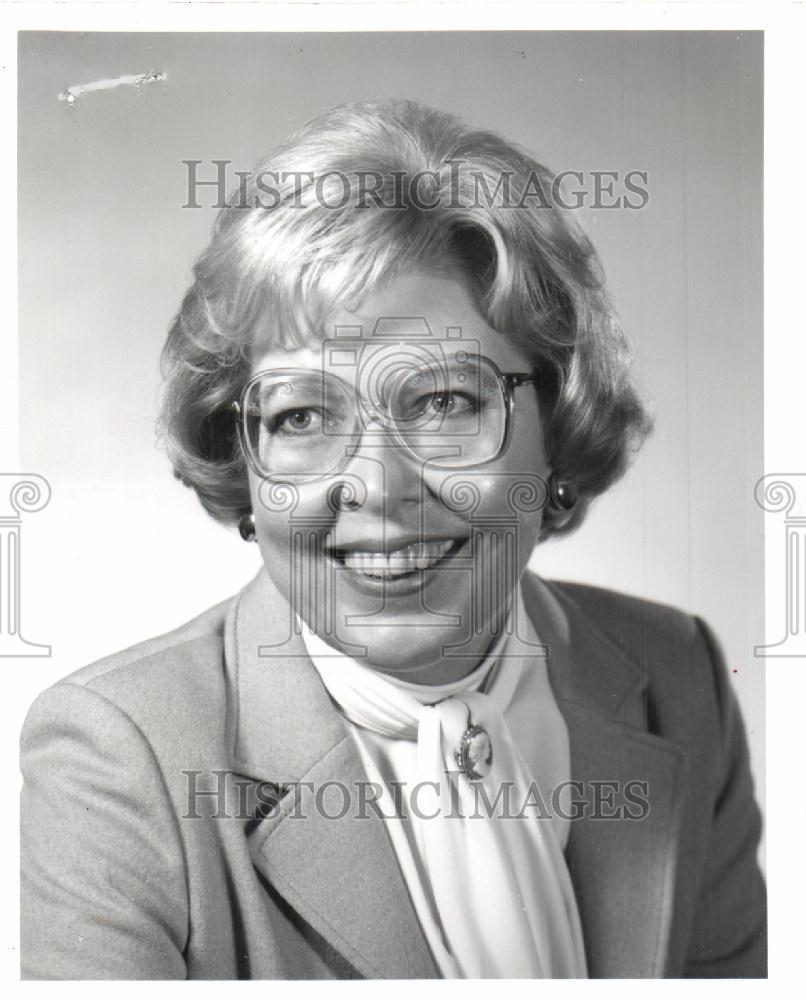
(308,424)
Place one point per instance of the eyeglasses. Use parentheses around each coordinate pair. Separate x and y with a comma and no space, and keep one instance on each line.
(303,424)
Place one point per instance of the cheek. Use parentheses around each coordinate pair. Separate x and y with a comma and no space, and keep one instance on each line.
(527,435)
(502,501)
(288,519)
(277,505)
(512,486)
(526,465)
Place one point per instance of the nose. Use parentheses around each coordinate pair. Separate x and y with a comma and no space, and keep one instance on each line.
(379,476)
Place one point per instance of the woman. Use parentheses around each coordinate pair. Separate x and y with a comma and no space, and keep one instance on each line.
(397,753)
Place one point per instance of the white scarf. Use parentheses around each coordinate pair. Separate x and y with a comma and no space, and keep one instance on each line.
(499,883)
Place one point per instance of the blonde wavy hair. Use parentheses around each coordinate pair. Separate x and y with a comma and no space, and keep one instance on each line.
(285,255)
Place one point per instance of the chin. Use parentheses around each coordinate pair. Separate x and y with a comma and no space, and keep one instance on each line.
(410,652)
(409,642)
(414,651)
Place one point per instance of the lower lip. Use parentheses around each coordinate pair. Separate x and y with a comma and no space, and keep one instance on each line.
(397,586)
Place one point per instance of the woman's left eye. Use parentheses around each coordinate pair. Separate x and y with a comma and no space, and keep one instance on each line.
(300,418)
(450,403)
(441,403)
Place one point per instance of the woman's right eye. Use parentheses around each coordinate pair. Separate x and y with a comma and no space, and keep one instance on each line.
(300,421)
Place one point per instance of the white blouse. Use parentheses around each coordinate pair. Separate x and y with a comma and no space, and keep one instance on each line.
(473,928)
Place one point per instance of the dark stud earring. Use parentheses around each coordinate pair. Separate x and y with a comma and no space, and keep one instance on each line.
(563,493)
(246,526)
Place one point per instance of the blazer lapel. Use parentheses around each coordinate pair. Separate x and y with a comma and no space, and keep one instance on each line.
(622,869)
(339,874)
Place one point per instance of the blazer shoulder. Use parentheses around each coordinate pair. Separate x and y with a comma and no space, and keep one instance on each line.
(675,652)
(624,616)
(205,629)
(178,674)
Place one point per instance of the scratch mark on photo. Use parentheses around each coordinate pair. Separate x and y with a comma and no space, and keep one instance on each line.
(71,94)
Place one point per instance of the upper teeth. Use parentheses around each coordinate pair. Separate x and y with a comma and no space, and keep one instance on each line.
(419,555)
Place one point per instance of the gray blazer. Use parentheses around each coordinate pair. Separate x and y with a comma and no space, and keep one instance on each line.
(125,875)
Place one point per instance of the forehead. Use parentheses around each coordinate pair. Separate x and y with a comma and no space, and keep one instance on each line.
(415,314)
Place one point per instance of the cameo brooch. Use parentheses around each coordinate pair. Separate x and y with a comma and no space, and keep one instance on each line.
(475,753)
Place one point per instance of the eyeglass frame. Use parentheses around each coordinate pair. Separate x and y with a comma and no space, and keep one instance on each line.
(507,381)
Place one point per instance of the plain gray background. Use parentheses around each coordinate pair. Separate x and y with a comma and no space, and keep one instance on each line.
(105,251)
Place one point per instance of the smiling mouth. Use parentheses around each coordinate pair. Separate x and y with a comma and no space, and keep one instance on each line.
(405,561)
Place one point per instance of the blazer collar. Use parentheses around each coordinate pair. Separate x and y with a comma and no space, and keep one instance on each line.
(283,721)
(281,718)
(585,667)
(623,871)
(342,876)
